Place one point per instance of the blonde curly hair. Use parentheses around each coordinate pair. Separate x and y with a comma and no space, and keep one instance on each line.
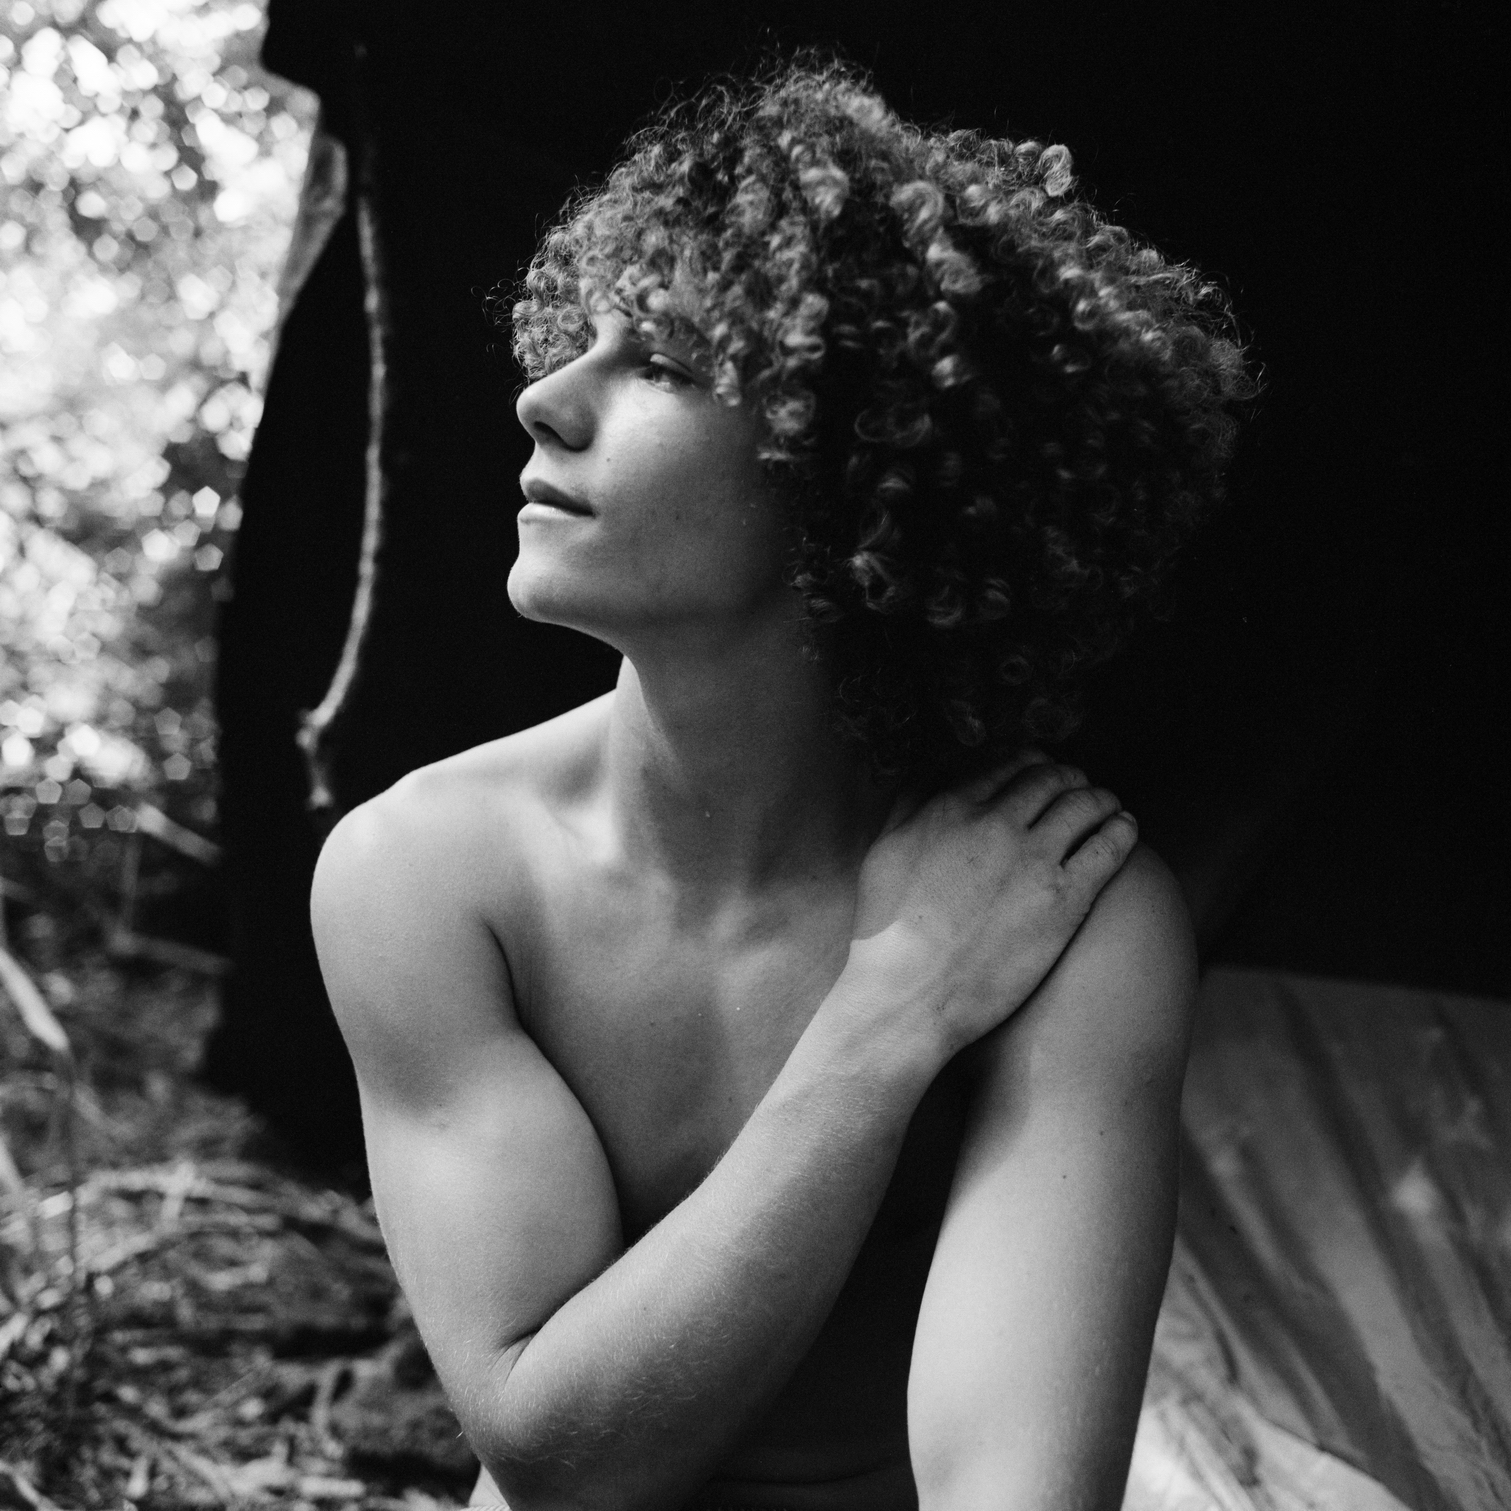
(995,415)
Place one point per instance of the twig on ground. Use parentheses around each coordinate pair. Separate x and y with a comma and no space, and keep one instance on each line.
(300,1208)
(17,1484)
(11,1329)
(180,1181)
(140,1481)
(212,1331)
(208,1473)
(44,1027)
(244,1384)
(79,1323)
(326,1387)
(19,1196)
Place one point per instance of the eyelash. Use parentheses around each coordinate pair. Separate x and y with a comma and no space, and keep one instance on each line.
(662,370)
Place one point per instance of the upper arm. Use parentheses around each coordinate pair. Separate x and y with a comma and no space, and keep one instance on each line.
(492,1189)
(1034,1335)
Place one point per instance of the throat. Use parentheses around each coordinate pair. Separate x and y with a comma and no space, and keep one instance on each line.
(736,787)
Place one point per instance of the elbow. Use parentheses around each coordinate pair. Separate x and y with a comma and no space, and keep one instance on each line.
(525,1483)
(540,1458)
(525,1448)
(551,1447)
(552,1481)
(529,1471)
(567,1474)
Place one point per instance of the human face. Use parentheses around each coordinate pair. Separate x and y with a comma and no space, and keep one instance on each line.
(647,510)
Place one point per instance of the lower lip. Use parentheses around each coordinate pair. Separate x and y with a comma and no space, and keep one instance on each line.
(537,510)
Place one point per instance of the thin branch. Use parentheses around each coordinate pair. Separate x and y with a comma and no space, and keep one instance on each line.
(22,1489)
(32,1006)
(319,726)
(11,1330)
(16,1190)
(206,1470)
(123,944)
(176,836)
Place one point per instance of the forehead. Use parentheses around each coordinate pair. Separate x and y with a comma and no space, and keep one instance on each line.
(647,303)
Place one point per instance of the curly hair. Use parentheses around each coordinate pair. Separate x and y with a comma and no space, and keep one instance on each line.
(994,414)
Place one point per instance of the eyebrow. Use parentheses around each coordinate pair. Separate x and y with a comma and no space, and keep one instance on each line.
(690,346)
(682,341)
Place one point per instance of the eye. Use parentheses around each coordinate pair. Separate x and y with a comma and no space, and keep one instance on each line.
(661,369)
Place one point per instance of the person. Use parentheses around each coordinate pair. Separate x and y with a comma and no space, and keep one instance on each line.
(770,1070)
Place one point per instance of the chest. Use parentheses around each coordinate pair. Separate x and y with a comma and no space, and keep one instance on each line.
(669,1023)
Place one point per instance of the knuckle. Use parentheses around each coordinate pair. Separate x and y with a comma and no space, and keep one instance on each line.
(1058,778)
(1084,802)
(1097,847)
(1047,780)
(1100,851)
(1111,843)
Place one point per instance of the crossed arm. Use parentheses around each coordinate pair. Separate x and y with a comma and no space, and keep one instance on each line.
(586,1374)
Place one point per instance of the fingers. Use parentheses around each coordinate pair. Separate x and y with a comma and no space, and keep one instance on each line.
(1101,854)
(1060,806)
(1031,792)
(1072,816)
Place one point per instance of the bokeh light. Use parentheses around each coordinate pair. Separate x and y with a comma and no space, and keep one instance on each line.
(149,175)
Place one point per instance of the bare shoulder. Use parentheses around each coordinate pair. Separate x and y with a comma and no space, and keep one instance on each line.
(1116,1009)
(446,828)
(1137,939)
(411,886)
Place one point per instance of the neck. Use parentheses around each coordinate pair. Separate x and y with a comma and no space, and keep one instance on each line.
(724,769)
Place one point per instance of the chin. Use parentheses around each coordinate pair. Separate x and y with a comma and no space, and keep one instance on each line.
(549,595)
(534,593)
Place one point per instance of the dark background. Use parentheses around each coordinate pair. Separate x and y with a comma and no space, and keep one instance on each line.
(1313,739)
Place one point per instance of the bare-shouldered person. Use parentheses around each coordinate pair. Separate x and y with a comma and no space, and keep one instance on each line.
(770,1070)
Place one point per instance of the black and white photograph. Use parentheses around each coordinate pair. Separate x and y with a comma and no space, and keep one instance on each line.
(753,757)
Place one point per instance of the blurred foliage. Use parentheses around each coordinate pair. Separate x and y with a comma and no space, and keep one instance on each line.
(179,1325)
(149,172)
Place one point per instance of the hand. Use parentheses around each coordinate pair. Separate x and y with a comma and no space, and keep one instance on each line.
(966,901)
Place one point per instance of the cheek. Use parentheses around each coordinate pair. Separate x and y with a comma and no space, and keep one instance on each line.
(689,524)
(736,556)
(699,491)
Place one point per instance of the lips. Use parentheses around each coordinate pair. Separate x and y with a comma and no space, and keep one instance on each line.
(538,492)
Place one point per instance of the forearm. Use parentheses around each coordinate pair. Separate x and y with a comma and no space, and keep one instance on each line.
(633,1390)
(1033,1340)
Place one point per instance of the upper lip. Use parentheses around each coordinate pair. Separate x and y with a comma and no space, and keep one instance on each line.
(537,491)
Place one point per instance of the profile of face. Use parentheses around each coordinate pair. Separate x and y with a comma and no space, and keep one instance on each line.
(648,513)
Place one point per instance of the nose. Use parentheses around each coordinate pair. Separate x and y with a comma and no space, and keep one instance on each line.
(556,410)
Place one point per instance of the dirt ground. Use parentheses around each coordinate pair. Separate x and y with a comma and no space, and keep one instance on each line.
(184,1320)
